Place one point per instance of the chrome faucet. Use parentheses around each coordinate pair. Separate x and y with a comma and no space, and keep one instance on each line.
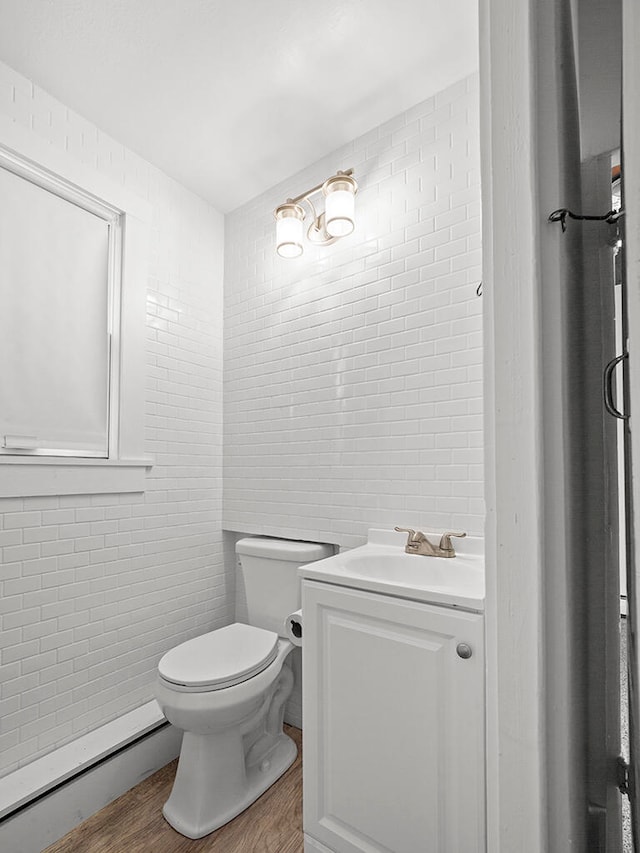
(417,543)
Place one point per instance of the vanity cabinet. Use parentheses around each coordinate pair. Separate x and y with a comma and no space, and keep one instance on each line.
(393,724)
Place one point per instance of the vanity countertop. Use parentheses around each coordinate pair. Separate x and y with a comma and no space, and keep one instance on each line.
(383,566)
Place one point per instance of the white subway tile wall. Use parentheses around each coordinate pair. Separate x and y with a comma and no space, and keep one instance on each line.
(95,588)
(353,375)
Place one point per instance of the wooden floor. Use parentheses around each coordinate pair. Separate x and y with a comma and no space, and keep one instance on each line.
(134,822)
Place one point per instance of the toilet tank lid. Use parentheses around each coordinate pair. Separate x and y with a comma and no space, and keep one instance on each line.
(283,549)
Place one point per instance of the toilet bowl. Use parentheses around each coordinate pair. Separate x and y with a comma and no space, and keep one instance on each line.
(227,691)
(233,747)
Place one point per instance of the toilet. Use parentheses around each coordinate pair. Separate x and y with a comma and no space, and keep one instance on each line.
(227,690)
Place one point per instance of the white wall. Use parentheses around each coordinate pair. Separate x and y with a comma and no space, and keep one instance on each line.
(353,375)
(94,589)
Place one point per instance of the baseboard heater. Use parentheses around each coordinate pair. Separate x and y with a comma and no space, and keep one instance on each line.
(26,786)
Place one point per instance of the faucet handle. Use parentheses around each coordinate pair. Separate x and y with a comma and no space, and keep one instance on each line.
(415,536)
(412,533)
(445,540)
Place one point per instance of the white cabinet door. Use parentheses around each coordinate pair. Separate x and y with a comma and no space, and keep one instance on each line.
(393,724)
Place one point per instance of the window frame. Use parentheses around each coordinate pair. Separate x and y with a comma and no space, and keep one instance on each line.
(124,469)
(111,216)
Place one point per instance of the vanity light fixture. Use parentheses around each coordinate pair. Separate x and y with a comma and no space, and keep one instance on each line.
(337,219)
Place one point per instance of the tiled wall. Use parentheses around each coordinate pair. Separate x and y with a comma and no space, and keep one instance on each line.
(94,589)
(353,388)
(353,400)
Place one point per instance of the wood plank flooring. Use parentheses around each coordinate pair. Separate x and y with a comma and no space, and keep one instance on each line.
(134,824)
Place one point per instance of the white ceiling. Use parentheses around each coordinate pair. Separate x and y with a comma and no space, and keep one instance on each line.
(231,96)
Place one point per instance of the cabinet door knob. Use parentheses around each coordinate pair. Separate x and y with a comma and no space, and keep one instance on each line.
(464,650)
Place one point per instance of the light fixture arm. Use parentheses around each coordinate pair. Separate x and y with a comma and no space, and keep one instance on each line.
(316,232)
(305,196)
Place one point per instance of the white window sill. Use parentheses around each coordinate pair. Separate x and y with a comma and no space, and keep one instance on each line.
(21,476)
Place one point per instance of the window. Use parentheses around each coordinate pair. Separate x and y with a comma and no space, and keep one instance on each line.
(72,293)
(58,263)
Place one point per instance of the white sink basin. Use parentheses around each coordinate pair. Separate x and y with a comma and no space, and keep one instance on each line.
(383,566)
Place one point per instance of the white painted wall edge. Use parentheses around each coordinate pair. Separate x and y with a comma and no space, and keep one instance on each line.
(513,423)
(53,815)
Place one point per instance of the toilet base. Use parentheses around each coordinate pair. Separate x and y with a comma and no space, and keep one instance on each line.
(197,805)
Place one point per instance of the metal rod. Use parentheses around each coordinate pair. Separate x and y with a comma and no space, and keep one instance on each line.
(306,194)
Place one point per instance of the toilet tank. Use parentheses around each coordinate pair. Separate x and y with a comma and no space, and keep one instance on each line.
(269,572)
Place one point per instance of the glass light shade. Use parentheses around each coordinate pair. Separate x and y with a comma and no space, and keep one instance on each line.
(339,213)
(339,204)
(289,230)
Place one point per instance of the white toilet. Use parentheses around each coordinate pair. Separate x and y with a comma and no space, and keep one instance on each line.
(227,690)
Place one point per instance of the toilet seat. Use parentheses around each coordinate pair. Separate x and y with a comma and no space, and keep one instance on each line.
(220,658)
